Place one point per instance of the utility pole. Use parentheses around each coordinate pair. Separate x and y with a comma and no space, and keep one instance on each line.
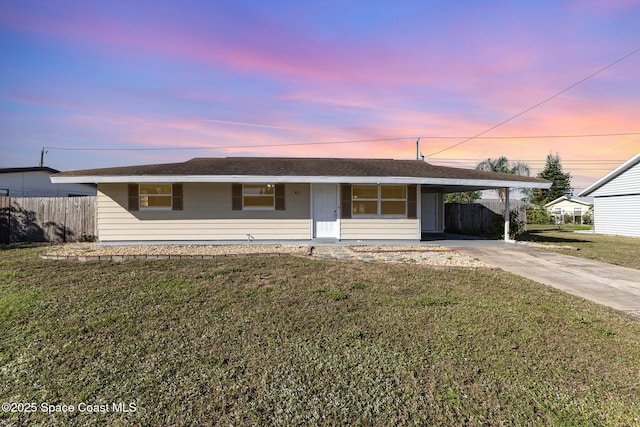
(419,155)
(42,157)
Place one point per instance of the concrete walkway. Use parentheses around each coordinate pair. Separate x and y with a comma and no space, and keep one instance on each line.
(606,284)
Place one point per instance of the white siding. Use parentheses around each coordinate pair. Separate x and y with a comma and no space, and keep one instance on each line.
(568,206)
(616,207)
(207,215)
(626,183)
(379,228)
(617,215)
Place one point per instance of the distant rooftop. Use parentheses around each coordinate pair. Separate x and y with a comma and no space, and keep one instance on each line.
(29,169)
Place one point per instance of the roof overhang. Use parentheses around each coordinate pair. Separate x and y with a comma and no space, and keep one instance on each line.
(611,175)
(565,198)
(459,184)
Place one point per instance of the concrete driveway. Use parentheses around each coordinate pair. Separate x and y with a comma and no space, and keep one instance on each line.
(610,285)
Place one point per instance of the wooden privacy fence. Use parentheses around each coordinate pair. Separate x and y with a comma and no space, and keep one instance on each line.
(484,218)
(5,202)
(47,219)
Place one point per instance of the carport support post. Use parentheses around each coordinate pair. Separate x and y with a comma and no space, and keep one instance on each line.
(506,215)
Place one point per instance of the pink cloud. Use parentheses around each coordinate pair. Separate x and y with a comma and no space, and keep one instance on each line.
(133,131)
(158,132)
(602,7)
(350,89)
(39,99)
(266,48)
(269,51)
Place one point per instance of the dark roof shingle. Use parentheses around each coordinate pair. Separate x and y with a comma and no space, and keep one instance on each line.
(284,166)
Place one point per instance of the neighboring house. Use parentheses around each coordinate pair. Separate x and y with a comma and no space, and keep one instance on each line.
(616,200)
(35,182)
(280,198)
(575,207)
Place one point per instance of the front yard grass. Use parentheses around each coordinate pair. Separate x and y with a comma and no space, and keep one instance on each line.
(295,341)
(617,250)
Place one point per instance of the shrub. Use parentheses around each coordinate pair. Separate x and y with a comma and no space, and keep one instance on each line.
(516,226)
(568,219)
(587,218)
(538,215)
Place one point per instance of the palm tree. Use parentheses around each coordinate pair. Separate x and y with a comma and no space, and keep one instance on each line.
(502,164)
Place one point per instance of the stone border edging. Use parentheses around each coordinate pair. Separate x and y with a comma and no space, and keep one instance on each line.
(121,258)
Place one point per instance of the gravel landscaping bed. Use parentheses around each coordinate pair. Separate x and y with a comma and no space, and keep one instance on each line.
(431,256)
(92,252)
(424,255)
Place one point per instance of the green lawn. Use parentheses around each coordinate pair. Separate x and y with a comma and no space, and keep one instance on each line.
(297,341)
(616,250)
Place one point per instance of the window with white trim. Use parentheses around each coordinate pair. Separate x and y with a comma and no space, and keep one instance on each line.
(379,200)
(258,196)
(155,196)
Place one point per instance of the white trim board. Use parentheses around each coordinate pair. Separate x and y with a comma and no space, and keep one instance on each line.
(277,179)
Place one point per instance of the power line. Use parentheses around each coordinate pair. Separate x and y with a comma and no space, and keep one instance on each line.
(219,147)
(592,135)
(539,103)
(224,146)
(574,165)
(539,160)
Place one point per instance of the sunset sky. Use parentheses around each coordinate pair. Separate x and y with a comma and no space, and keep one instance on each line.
(229,77)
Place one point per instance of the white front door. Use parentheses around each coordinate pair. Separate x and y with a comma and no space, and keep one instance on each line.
(429,212)
(325,211)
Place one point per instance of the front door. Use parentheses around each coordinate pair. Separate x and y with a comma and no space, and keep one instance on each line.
(429,212)
(325,211)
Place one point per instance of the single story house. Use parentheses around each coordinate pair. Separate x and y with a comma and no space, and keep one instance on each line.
(616,200)
(264,198)
(575,207)
(35,182)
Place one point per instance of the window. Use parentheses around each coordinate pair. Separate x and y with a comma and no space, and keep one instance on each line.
(365,200)
(379,200)
(577,215)
(258,196)
(393,199)
(155,196)
(558,216)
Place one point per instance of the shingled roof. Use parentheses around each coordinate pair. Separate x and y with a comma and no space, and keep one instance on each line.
(302,169)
